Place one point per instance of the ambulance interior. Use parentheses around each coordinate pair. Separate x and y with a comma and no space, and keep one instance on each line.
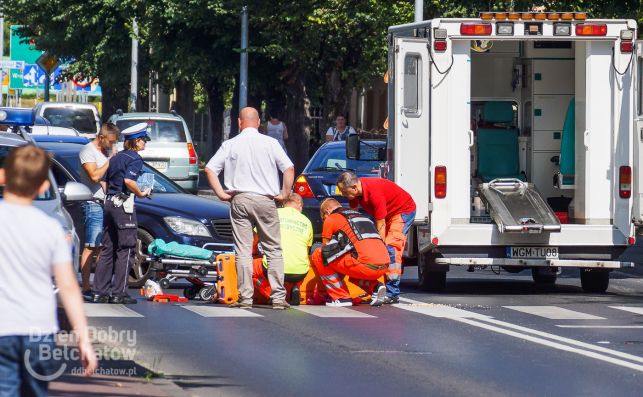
(523,97)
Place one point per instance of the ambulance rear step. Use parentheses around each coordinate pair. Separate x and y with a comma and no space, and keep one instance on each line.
(516,207)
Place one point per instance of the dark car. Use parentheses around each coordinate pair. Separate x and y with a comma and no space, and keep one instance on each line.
(317,181)
(170,214)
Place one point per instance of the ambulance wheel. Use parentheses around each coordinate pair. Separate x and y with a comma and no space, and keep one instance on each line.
(594,280)
(430,280)
(190,292)
(141,269)
(164,283)
(542,278)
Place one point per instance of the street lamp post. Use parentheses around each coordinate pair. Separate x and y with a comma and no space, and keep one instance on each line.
(243,73)
(134,68)
(419,10)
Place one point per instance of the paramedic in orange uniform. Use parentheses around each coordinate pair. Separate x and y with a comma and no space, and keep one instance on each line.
(351,247)
(393,210)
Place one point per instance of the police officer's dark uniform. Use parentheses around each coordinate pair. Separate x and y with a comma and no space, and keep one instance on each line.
(119,237)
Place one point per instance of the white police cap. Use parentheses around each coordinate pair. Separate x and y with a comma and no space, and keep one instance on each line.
(136,131)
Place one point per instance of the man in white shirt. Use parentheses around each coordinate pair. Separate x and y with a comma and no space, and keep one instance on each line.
(251,162)
(95,162)
(340,131)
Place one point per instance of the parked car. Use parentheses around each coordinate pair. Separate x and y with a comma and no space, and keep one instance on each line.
(54,201)
(82,117)
(52,130)
(317,181)
(171,150)
(170,213)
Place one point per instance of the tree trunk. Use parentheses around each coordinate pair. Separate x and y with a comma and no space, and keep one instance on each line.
(184,103)
(216,108)
(337,96)
(114,98)
(297,119)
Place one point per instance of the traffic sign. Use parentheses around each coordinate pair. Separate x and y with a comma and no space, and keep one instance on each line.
(47,62)
(12,64)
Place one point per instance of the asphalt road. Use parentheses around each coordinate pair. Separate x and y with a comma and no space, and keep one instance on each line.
(487,334)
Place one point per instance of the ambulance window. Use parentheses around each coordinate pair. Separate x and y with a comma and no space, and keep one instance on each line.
(412,70)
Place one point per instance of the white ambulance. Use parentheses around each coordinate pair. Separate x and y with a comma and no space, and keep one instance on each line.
(518,136)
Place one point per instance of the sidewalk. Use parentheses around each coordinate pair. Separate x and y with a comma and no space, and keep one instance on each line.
(113,378)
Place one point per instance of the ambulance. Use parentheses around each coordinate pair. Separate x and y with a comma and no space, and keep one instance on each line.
(518,134)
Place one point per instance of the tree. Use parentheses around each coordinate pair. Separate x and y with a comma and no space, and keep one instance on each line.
(93,34)
(195,42)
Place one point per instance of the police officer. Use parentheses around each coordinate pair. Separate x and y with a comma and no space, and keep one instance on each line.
(119,237)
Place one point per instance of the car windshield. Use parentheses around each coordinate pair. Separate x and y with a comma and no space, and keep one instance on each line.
(158,130)
(161,183)
(330,158)
(4,152)
(83,120)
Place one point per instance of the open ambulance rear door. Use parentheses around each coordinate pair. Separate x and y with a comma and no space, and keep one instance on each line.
(409,158)
(637,180)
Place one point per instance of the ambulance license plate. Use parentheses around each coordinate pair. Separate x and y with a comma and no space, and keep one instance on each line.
(532,252)
(159,165)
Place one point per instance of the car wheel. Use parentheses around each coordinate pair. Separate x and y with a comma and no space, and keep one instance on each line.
(594,280)
(141,270)
(433,281)
(542,278)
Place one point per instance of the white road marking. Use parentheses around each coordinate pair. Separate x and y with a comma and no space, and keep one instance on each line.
(631,309)
(337,312)
(554,313)
(109,310)
(220,311)
(538,337)
(603,326)
(434,310)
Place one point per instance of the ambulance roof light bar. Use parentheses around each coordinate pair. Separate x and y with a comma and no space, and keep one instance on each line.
(529,16)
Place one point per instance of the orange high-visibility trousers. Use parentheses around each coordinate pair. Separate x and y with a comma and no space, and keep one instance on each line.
(365,276)
(395,238)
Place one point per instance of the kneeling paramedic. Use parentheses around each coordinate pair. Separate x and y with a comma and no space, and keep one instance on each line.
(351,247)
(119,237)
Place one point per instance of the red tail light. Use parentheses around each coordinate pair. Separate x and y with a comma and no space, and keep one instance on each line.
(627,46)
(192,154)
(302,188)
(590,29)
(440,177)
(440,45)
(625,181)
(475,29)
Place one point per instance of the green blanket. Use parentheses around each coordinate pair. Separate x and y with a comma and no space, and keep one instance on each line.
(160,247)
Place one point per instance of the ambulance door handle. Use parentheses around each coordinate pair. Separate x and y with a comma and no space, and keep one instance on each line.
(404,119)
(471,138)
(586,139)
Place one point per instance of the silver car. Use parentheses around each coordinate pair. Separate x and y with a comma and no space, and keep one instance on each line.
(51,202)
(171,150)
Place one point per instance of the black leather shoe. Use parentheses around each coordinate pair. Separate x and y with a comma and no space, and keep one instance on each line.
(295,294)
(122,300)
(96,298)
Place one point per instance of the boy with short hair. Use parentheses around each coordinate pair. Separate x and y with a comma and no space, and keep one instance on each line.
(33,249)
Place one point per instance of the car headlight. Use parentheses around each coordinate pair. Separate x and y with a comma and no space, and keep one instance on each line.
(187,226)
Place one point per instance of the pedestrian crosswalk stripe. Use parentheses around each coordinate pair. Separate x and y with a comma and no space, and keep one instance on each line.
(336,312)
(554,313)
(109,310)
(220,311)
(631,309)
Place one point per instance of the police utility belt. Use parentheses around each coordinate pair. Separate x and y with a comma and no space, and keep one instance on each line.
(340,244)
(123,200)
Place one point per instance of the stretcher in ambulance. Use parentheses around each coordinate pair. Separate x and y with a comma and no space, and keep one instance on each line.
(518,136)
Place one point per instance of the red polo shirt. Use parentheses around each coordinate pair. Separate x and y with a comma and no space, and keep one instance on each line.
(383,199)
